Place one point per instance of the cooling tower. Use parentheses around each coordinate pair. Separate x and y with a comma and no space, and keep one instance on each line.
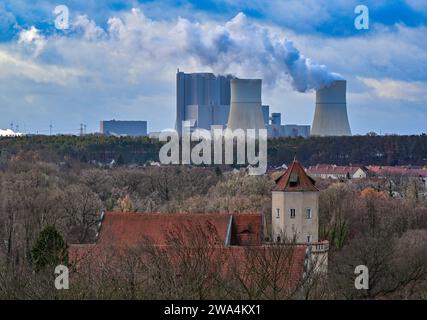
(330,116)
(246,109)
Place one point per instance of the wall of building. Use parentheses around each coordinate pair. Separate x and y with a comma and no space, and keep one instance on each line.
(293,130)
(266,114)
(124,128)
(300,226)
(359,174)
(209,98)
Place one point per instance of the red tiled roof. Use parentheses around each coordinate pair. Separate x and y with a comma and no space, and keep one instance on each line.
(399,170)
(121,231)
(246,229)
(128,229)
(333,169)
(295,179)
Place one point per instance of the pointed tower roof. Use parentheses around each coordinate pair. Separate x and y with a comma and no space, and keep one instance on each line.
(295,179)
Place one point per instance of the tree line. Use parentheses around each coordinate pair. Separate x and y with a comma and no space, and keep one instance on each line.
(362,150)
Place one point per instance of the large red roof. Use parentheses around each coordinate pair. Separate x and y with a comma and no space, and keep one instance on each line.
(239,242)
(295,179)
(122,229)
(128,229)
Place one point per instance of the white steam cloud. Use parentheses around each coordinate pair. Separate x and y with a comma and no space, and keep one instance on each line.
(241,44)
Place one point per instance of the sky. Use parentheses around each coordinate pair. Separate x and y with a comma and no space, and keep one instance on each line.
(118,59)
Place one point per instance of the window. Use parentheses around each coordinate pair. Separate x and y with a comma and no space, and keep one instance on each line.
(308,239)
(293,179)
(278,239)
(292,213)
(308,213)
(277,213)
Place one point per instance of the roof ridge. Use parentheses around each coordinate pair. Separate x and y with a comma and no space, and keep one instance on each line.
(303,182)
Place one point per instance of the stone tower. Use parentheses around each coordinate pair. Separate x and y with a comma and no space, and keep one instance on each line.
(295,207)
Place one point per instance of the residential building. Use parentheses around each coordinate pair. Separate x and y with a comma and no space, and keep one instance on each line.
(331,171)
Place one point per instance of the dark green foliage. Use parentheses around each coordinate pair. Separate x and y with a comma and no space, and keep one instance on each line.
(362,150)
(120,160)
(50,249)
(97,148)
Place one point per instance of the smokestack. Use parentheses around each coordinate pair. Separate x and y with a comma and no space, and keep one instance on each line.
(330,116)
(246,109)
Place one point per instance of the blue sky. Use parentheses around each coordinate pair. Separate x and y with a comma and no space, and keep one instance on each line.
(118,59)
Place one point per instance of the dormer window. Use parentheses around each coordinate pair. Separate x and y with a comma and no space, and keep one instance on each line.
(293,179)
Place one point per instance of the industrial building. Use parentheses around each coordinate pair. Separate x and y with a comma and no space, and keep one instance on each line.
(330,116)
(276,129)
(124,128)
(205,100)
(246,107)
(9,133)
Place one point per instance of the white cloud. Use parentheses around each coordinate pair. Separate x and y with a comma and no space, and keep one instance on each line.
(397,90)
(89,28)
(33,40)
(14,65)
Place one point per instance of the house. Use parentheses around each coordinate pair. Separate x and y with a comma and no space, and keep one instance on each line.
(332,171)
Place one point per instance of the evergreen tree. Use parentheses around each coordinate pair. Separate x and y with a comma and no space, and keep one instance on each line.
(120,160)
(50,249)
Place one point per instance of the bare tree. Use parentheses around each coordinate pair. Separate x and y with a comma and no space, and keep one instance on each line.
(81,209)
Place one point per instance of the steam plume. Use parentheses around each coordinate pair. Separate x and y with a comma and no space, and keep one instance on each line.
(242,45)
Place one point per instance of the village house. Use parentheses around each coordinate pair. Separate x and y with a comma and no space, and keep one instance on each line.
(331,171)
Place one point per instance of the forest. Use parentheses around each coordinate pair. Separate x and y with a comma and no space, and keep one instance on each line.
(381,223)
(362,150)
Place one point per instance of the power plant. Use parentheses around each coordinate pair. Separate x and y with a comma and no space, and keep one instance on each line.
(203,99)
(246,107)
(124,128)
(210,101)
(330,116)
